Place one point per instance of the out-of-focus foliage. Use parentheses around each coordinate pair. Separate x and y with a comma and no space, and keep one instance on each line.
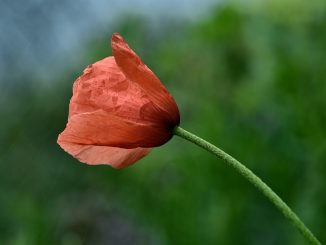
(250,79)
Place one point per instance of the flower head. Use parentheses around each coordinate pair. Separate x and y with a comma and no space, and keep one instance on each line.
(119,111)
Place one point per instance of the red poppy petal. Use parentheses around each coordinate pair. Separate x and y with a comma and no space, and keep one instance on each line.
(136,71)
(103,129)
(114,156)
(104,86)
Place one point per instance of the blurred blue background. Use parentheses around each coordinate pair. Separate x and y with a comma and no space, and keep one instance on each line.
(249,76)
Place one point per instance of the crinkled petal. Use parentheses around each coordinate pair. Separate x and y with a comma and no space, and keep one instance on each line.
(135,70)
(114,156)
(103,129)
(104,86)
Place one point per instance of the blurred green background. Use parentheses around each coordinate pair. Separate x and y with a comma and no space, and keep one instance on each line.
(247,76)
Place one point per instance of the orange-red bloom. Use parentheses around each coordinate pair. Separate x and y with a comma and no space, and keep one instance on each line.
(118,111)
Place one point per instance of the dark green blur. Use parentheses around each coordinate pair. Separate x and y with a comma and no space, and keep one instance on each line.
(250,80)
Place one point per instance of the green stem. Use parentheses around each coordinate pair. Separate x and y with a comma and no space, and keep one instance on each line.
(253,179)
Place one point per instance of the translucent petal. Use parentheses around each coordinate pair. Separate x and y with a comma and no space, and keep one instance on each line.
(114,156)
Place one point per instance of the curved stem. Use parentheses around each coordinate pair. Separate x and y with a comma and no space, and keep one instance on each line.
(253,179)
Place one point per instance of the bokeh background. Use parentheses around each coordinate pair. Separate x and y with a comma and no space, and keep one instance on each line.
(249,76)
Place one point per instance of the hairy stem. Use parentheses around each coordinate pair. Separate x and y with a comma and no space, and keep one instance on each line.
(253,179)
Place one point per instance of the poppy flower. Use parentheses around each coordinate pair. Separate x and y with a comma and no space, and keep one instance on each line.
(119,111)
